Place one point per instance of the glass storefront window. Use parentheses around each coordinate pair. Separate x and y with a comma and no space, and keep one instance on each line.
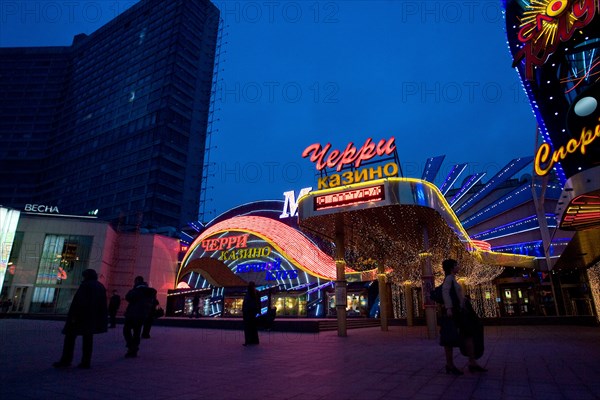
(13,264)
(356,304)
(290,306)
(232,307)
(62,262)
(51,300)
(63,259)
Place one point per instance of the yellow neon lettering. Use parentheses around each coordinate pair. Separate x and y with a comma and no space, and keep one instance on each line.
(360,176)
(390,169)
(543,153)
(254,252)
(348,178)
(266,251)
(541,157)
(334,180)
(373,172)
(322,183)
(572,146)
(588,137)
(559,154)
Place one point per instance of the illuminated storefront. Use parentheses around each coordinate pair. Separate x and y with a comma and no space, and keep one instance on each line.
(260,243)
(396,231)
(50,251)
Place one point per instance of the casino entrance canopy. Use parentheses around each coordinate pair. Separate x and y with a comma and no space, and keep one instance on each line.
(385,220)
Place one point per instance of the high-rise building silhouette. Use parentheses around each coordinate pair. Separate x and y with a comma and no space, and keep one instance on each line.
(117,121)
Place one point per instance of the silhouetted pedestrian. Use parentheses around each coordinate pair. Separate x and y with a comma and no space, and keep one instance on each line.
(141,300)
(250,307)
(458,321)
(150,320)
(113,307)
(195,306)
(87,316)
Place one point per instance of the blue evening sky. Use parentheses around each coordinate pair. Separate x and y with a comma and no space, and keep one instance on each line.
(435,74)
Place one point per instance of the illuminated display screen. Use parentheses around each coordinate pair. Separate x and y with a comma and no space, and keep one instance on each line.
(349,197)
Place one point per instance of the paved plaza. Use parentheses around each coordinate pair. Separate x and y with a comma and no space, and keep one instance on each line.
(525,362)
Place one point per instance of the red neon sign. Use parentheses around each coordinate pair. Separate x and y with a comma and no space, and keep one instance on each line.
(227,242)
(349,197)
(547,23)
(482,245)
(350,155)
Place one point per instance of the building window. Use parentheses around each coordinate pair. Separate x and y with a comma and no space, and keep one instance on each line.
(62,262)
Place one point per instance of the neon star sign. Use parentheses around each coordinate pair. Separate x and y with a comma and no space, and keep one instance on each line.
(547,23)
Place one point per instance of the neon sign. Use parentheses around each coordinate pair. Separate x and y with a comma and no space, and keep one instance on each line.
(242,254)
(349,156)
(583,212)
(273,270)
(365,174)
(290,205)
(227,242)
(544,161)
(349,197)
(544,22)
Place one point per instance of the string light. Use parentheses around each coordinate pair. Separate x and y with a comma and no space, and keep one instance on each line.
(593,274)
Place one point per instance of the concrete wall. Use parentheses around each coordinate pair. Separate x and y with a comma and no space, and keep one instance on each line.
(154,257)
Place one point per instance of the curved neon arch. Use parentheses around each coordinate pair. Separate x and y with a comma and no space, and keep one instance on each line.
(294,246)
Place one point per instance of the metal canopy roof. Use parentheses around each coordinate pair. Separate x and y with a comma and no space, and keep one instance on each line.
(583,251)
(385,220)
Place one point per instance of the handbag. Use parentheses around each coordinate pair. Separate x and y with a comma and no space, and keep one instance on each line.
(158,312)
(473,327)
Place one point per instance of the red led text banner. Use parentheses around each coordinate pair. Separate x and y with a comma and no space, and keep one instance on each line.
(349,197)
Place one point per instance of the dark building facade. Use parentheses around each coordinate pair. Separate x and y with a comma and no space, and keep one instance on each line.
(117,121)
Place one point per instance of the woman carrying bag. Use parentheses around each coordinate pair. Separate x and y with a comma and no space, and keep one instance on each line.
(458,321)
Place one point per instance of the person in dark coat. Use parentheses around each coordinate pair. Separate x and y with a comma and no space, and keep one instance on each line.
(141,302)
(250,307)
(149,320)
(195,306)
(457,312)
(113,307)
(87,316)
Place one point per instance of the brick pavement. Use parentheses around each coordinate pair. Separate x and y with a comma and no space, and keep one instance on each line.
(525,362)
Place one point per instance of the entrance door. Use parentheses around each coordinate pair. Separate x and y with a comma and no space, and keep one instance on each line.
(517,301)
